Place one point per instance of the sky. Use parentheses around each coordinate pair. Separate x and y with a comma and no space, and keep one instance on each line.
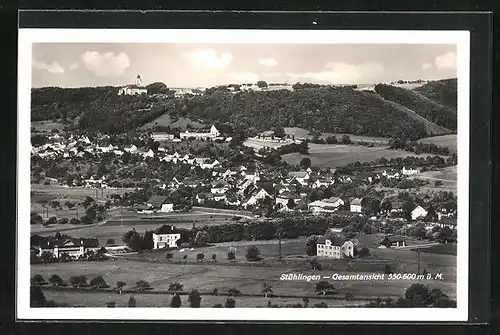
(197,65)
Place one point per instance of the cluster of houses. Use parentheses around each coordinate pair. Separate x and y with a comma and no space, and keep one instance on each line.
(203,134)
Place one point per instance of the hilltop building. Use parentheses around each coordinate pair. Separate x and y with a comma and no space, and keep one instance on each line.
(136,89)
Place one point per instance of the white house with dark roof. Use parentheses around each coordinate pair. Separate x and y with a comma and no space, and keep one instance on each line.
(284,197)
(165,237)
(326,205)
(159,203)
(301,176)
(418,212)
(255,197)
(356,205)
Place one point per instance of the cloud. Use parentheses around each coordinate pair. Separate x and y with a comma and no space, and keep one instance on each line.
(446,61)
(342,73)
(73,66)
(209,59)
(106,64)
(269,62)
(244,77)
(426,66)
(54,68)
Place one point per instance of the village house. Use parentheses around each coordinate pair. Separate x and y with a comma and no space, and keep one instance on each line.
(219,187)
(159,203)
(257,195)
(211,134)
(136,89)
(284,198)
(301,176)
(75,248)
(409,172)
(355,205)
(329,205)
(418,212)
(162,136)
(391,174)
(393,241)
(165,237)
(334,247)
(325,181)
(448,222)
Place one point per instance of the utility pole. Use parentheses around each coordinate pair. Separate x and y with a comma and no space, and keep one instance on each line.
(418,261)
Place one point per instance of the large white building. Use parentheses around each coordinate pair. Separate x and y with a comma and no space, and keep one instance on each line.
(326,205)
(409,172)
(165,237)
(136,89)
(334,247)
(212,133)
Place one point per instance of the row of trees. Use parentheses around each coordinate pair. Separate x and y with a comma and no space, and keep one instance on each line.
(418,147)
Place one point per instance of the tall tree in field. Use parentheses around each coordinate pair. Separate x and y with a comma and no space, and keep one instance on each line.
(305,163)
(266,289)
(311,245)
(176,301)
(55,280)
(131,302)
(194,298)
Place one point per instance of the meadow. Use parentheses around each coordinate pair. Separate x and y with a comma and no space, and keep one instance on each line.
(333,156)
(448,141)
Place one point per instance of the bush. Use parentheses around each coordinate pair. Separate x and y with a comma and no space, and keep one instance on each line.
(142,285)
(234,291)
(217,306)
(169,255)
(214,257)
(185,257)
(315,265)
(363,252)
(194,299)
(111,304)
(253,253)
(74,221)
(215,291)
(52,220)
(231,255)
(131,302)
(110,241)
(321,305)
(230,303)
(174,287)
(176,301)
(63,221)
(98,282)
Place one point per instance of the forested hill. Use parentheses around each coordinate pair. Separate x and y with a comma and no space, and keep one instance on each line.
(420,104)
(327,109)
(442,91)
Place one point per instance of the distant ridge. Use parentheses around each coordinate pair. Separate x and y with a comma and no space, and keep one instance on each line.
(442,91)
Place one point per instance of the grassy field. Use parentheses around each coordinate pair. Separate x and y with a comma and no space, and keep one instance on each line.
(441,249)
(94,299)
(449,141)
(332,156)
(447,177)
(165,121)
(46,126)
(304,133)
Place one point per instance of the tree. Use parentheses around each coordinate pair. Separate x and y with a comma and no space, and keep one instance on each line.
(214,257)
(78,281)
(201,238)
(364,252)
(175,287)
(386,206)
(37,298)
(63,221)
(315,265)
(349,297)
(194,299)
(200,256)
(290,204)
(110,241)
(119,286)
(231,255)
(135,242)
(253,253)
(305,163)
(131,302)
(279,132)
(266,289)
(36,218)
(408,207)
(142,285)
(331,140)
(217,306)
(230,303)
(37,280)
(387,269)
(111,304)
(87,202)
(215,291)
(261,84)
(417,294)
(305,301)
(311,245)
(345,139)
(176,301)
(55,280)
(98,282)
(324,286)
(169,255)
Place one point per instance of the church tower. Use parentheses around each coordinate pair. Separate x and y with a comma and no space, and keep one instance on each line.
(138,80)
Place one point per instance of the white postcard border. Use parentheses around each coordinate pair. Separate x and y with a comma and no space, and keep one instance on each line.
(29,36)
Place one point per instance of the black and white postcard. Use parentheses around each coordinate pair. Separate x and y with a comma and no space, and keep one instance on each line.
(247,174)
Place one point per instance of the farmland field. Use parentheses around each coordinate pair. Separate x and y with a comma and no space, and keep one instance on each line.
(449,141)
(98,299)
(304,133)
(332,156)
(46,126)
(443,249)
